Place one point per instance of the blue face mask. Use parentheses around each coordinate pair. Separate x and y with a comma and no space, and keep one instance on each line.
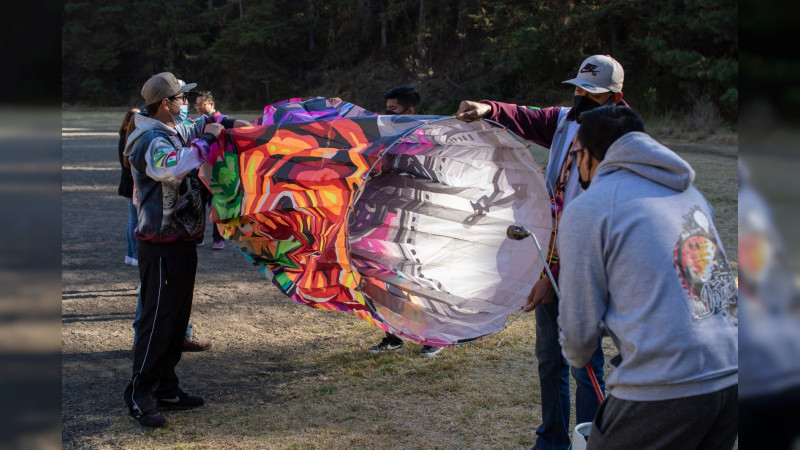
(183,116)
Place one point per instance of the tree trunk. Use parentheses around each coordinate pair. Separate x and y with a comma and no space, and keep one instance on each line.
(461,21)
(241,8)
(384,24)
(310,17)
(421,27)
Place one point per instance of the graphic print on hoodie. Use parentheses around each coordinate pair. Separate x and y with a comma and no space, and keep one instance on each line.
(704,271)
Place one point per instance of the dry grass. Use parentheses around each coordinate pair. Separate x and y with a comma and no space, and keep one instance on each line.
(701,125)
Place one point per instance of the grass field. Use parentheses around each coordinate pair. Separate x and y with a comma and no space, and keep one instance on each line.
(281,375)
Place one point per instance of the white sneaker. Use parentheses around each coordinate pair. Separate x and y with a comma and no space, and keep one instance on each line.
(131,261)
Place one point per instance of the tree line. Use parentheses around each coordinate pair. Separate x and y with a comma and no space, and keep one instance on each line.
(676,53)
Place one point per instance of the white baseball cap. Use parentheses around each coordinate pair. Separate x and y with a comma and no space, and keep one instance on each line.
(598,74)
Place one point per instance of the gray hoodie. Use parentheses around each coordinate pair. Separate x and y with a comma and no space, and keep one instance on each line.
(641,261)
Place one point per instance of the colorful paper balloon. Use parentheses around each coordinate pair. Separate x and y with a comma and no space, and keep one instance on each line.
(400,220)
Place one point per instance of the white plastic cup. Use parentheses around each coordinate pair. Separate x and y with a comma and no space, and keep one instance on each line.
(581,435)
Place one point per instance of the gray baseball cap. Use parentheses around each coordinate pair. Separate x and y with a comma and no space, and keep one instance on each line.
(598,74)
(163,85)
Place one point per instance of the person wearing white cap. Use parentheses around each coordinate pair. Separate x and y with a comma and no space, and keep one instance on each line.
(163,150)
(598,82)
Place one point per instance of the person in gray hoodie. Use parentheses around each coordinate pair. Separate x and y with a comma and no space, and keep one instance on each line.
(642,263)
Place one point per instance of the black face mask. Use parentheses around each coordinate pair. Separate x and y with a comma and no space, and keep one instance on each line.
(584,184)
(581,104)
(389,112)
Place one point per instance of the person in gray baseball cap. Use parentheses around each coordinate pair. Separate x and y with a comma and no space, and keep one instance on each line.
(163,150)
(598,82)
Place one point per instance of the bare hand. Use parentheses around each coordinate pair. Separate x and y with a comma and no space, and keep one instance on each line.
(541,294)
(334,100)
(241,123)
(213,128)
(470,111)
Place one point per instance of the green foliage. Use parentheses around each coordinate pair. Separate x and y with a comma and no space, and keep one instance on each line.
(94,90)
(255,52)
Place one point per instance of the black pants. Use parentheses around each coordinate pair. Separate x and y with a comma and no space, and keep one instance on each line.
(167,273)
(708,421)
(394,340)
(206,195)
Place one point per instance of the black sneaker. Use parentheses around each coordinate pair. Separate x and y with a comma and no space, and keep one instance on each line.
(430,352)
(386,345)
(181,401)
(151,418)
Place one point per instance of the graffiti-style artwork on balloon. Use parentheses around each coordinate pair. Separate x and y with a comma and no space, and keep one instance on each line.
(400,220)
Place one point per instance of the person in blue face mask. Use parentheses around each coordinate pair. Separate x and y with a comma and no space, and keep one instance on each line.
(191,342)
(163,151)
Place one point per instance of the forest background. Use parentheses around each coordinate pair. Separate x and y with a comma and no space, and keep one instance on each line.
(680,56)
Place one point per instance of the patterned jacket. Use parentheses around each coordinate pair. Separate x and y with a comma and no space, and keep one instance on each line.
(170,206)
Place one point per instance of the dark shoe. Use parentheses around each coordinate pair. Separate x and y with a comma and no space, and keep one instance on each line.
(151,418)
(430,352)
(218,244)
(196,345)
(180,402)
(386,345)
(200,241)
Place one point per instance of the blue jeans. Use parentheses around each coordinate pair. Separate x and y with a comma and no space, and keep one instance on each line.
(554,432)
(130,237)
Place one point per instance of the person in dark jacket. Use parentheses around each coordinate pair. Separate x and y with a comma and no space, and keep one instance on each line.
(126,187)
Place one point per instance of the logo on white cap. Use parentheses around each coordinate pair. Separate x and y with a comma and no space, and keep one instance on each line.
(591,68)
(599,73)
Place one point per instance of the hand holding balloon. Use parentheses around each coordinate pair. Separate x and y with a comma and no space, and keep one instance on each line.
(241,123)
(541,294)
(213,128)
(470,111)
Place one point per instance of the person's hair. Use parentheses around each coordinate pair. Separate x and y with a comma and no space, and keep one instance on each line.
(601,127)
(152,109)
(207,94)
(407,96)
(127,120)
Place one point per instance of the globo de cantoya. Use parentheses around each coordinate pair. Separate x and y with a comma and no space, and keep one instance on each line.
(400,220)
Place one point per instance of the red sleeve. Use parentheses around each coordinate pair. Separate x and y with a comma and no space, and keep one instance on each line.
(534,124)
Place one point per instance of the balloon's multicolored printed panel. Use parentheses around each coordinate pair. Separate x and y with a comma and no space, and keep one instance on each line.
(400,220)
